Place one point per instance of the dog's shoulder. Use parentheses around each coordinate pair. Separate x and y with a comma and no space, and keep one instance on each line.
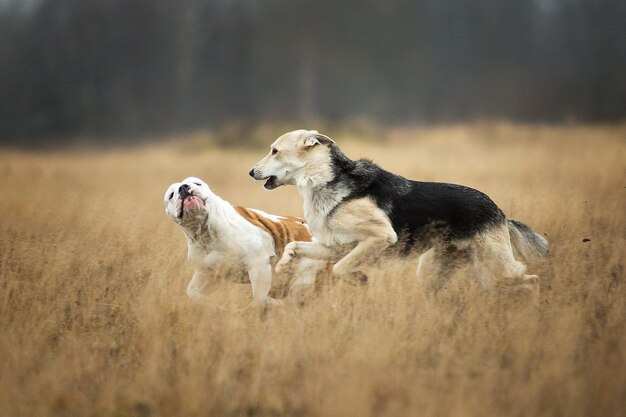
(366,179)
(282,229)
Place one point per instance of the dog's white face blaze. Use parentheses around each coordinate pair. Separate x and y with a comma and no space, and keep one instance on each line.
(289,156)
(181,204)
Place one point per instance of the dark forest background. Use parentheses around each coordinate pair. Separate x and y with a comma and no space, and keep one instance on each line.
(106,68)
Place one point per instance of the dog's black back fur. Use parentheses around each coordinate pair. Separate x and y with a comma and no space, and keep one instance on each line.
(419,211)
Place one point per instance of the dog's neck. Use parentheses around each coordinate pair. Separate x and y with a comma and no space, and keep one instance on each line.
(314,175)
(198,229)
(319,187)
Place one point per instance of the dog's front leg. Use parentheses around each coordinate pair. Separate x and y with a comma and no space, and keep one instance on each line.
(306,273)
(311,250)
(201,286)
(346,268)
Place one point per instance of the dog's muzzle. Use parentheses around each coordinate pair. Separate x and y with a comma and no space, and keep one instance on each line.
(270,184)
(188,201)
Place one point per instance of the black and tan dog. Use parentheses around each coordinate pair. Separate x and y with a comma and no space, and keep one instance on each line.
(362,206)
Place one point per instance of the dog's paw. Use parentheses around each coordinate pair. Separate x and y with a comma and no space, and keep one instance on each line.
(531,279)
(356,278)
(273,302)
(285,261)
(531,283)
(525,288)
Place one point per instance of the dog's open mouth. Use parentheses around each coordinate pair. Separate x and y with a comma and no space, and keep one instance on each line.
(270,184)
(190,203)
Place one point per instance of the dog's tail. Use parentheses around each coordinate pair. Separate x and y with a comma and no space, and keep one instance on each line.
(527,244)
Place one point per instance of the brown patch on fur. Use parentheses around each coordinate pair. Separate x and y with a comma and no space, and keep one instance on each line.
(288,229)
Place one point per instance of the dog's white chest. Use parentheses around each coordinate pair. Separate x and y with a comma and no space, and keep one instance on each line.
(209,259)
(316,221)
(318,207)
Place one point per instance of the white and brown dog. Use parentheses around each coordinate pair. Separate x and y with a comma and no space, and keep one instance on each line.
(237,244)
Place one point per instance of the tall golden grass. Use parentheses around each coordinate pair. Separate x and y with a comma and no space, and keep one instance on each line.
(94,319)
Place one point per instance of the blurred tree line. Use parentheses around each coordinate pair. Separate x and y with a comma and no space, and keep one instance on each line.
(119,67)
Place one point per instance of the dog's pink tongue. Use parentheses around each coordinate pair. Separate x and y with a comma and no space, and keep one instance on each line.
(192,202)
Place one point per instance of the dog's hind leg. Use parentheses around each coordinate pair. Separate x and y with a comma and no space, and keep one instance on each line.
(496,267)
(424,264)
(260,272)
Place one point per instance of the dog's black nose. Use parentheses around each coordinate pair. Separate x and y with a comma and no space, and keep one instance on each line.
(183,190)
(251,173)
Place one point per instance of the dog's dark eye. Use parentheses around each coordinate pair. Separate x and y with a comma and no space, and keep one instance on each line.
(274,151)
(171,195)
(198,184)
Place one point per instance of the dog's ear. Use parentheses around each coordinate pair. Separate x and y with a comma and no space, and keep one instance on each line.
(317,139)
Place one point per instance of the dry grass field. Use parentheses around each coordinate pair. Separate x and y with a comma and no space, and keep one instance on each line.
(94,318)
